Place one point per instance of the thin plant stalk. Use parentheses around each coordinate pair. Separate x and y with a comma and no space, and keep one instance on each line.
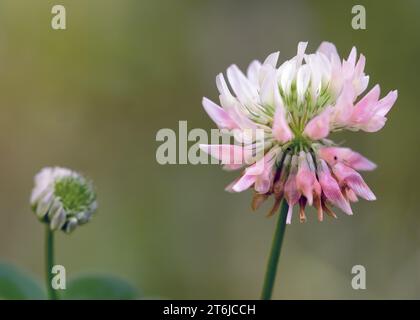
(270,275)
(49,262)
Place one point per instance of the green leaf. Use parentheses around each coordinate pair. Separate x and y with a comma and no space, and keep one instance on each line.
(106,287)
(16,284)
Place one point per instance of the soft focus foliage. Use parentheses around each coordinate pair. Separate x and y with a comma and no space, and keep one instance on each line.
(100,287)
(17,284)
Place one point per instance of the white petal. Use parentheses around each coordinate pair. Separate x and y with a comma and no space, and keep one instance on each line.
(300,53)
(302,81)
(245,91)
(253,72)
(272,59)
(222,85)
(287,74)
(218,115)
(267,89)
(58,220)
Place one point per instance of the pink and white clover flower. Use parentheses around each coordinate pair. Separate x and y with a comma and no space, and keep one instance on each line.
(297,105)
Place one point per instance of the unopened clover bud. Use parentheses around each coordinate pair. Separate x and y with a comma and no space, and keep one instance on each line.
(62,198)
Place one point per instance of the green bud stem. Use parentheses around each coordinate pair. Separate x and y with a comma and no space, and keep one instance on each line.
(49,262)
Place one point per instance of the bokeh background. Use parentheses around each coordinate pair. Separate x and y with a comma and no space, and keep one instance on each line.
(93,97)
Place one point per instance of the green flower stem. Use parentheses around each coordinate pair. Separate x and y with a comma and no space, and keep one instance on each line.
(49,261)
(270,275)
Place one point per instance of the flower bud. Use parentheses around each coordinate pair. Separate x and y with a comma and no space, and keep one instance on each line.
(62,198)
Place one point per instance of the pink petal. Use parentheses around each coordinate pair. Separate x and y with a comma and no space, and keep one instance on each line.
(358,162)
(289,214)
(353,180)
(386,103)
(244,183)
(352,56)
(232,167)
(267,161)
(263,169)
(351,195)
(260,174)
(343,108)
(360,66)
(363,84)
(226,153)
(319,126)
(263,184)
(218,115)
(331,189)
(374,124)
(329,50)
(364,109)
(349,157)
(359,80)
(281,130)
(229,187)
(329,154)
(291,191)
(369,114)
(241,184)
(305,178)
(231,106)
(316,187)
(349,64)
(347,95)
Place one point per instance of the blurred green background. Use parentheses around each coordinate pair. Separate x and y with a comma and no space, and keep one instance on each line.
(92,98)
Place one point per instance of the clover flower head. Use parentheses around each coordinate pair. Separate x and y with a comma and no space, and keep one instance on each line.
(297,105)
(62,198)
